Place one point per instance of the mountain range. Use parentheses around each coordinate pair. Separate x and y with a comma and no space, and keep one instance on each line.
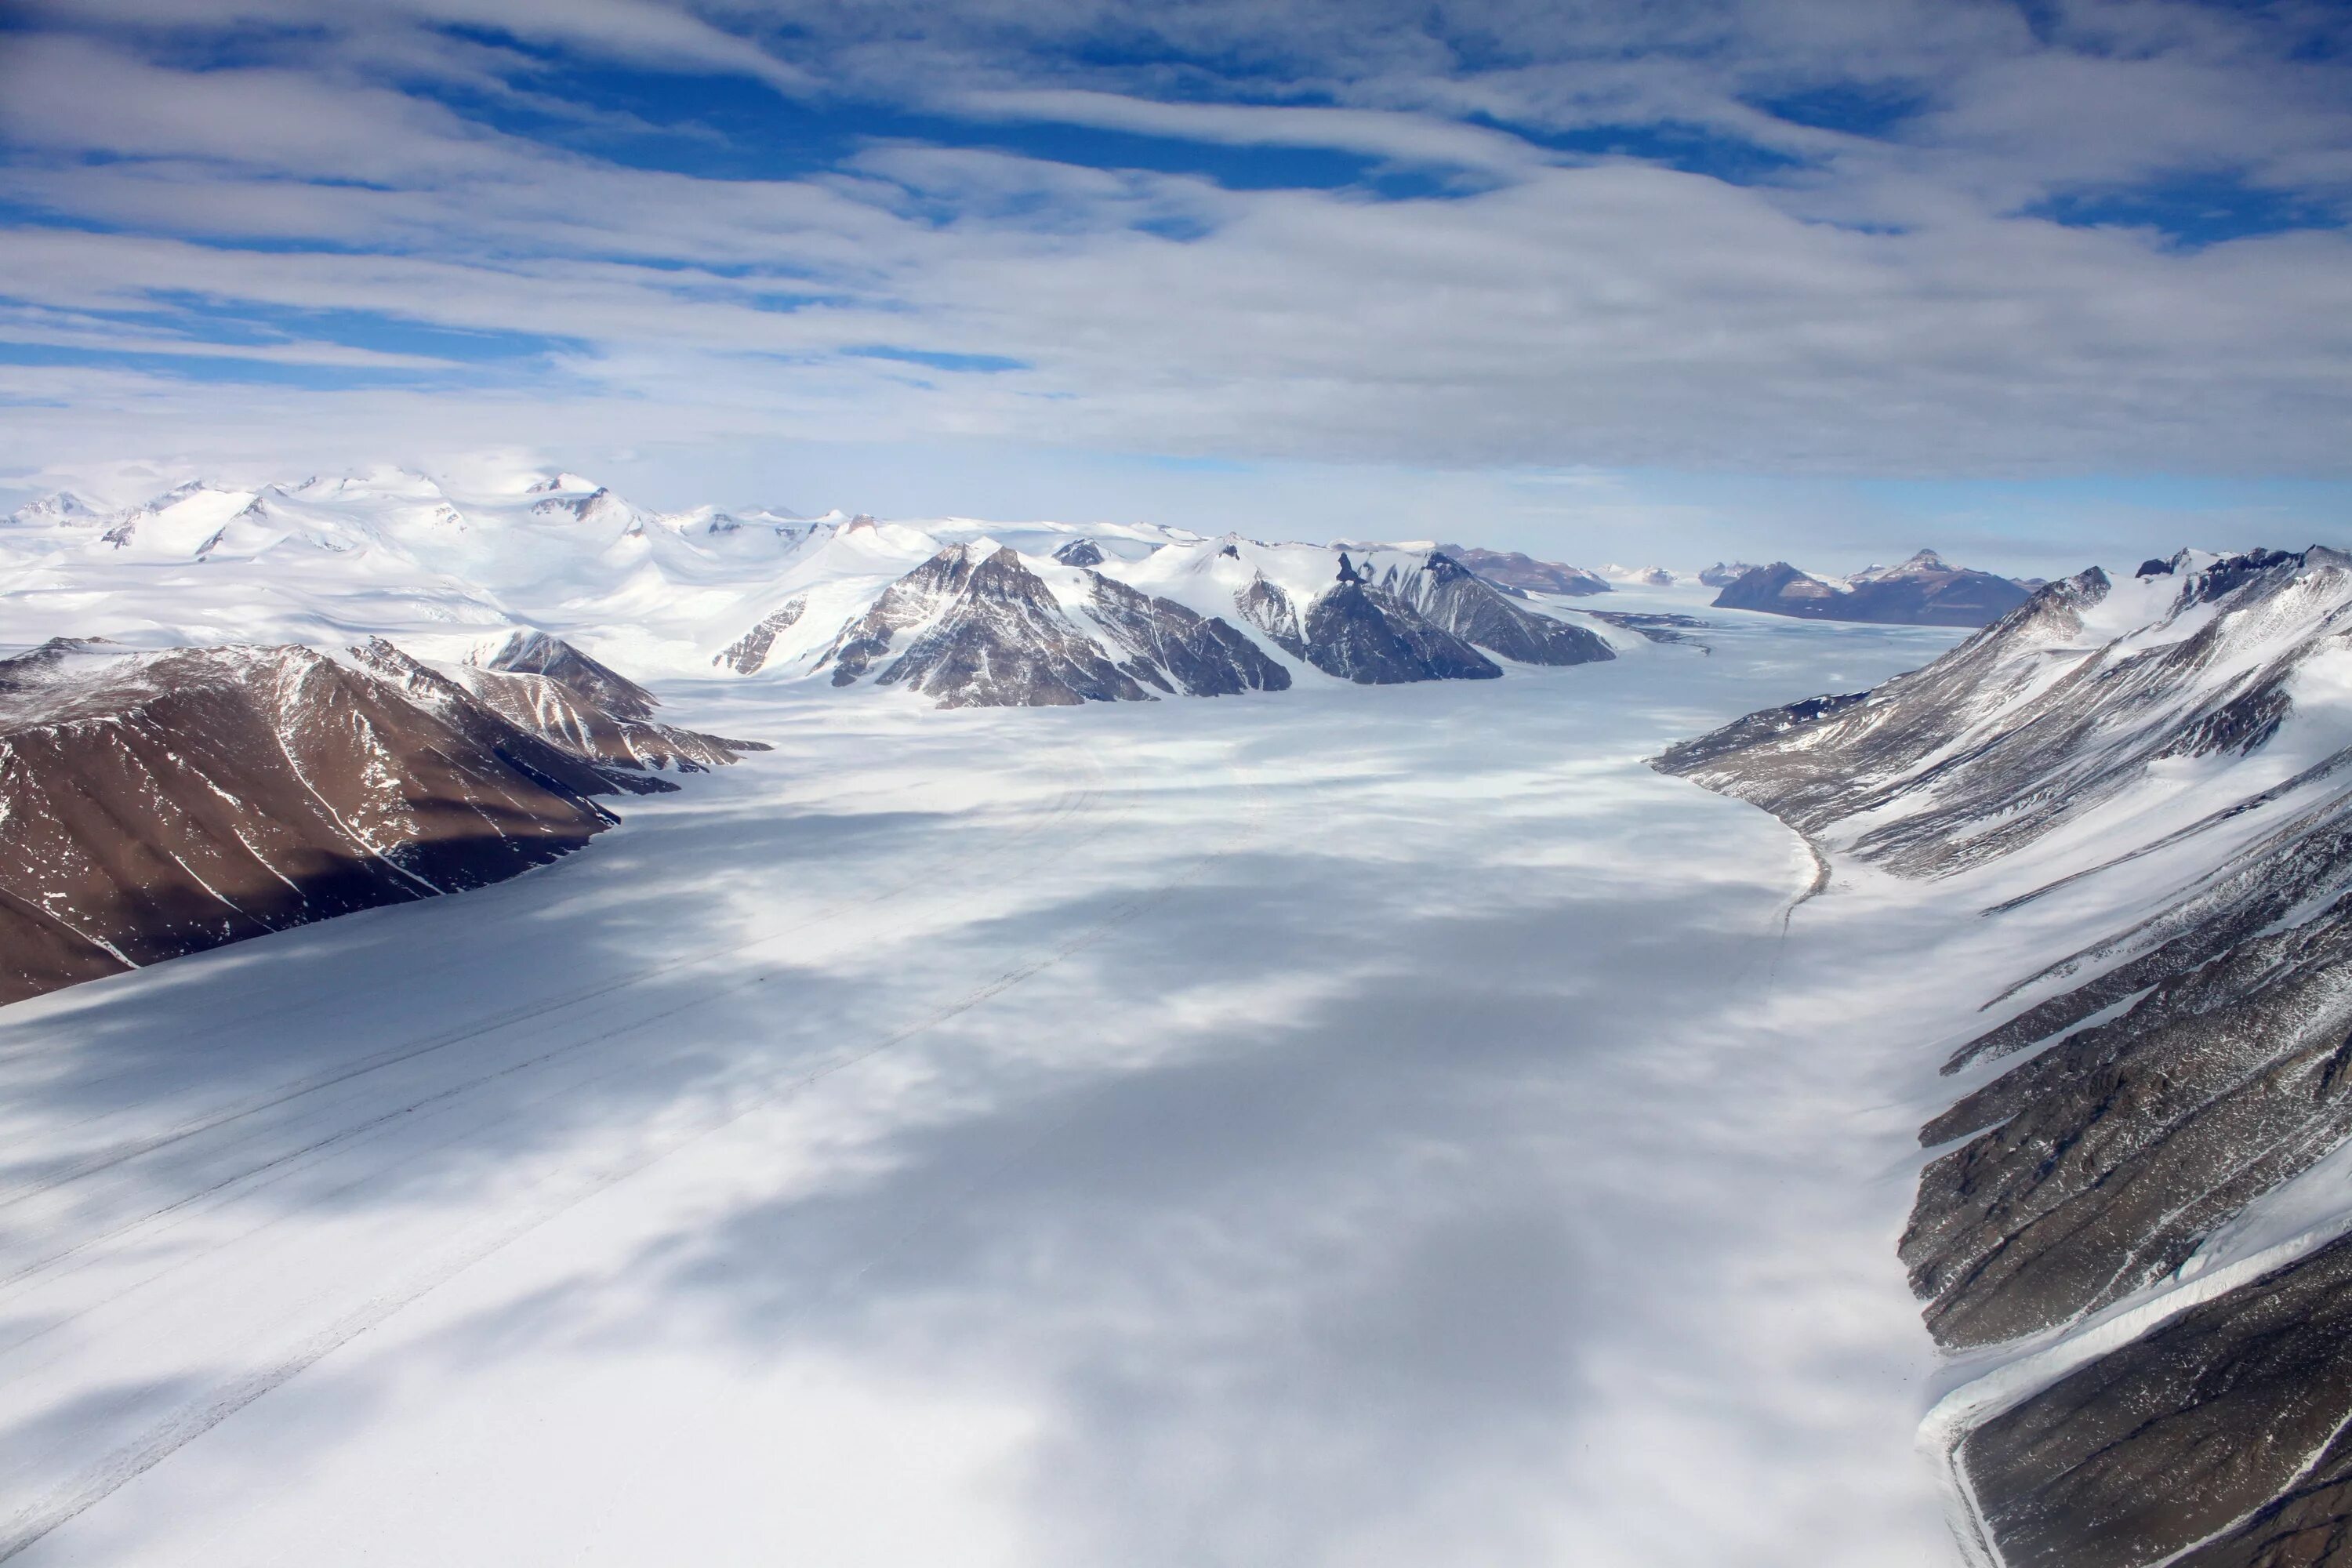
(258,708)
(161,802)
(960,613)
(2132,1218)
(1923,591)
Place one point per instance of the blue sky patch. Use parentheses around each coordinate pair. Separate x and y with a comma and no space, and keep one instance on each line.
(2191,211)
(936,358)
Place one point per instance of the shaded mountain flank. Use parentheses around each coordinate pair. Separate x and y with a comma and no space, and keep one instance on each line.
(2169,1078)
(1524,573)
(1453,598)
(1921,591)
(983,630)
(156,804)
(975,626)
(1367,635)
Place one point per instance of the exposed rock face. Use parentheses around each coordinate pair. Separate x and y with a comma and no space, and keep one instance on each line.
(748,655)
(1268,608)
(536,653)
(913,600)
(1080,553)
(546,686)
(1003,642)
(1828,759)
(1367,635)
(1658,627)
(1724,573)
(1175,649)
(2171,1074)
(1451,597)
(454,705)
(2225,1425)
(983,630)
(1779,589)
(1525,573)
(1922,592)
(154,805)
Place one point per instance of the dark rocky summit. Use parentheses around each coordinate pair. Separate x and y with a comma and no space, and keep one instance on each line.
(1454,599)
(1524,573)
(2170,1075)
(1177,650)
(1922,592)
(1080,553)
(1367,635)
(1724,573)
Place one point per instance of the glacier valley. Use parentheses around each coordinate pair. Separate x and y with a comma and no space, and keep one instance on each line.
(1355,1125)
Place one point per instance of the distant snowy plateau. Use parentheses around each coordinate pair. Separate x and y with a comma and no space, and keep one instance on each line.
(975,1044)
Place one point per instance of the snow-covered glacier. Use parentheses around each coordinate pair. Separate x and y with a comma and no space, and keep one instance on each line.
(1356,1124)
(1150,1047)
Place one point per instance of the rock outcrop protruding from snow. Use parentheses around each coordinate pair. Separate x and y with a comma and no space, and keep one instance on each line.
(158,803)
(974,626)
(1367,635)
(1080,553)
(1002,641)
(748,655)
(544,685)
(2171,1076)
(1524,573)
(1922,592)
(1724,573)
(1453,598)
(1177,651)
(1265,606)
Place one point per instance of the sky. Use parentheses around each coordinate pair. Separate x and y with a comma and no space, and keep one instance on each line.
(2032,281)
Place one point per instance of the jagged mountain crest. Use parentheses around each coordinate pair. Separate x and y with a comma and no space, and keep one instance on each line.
(1456,600)
(1367,635)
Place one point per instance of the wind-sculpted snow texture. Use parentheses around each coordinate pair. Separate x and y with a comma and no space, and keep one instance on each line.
(1923,591)
(2178,1076)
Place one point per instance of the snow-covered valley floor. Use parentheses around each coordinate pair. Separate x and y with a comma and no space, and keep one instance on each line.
(1361,1126)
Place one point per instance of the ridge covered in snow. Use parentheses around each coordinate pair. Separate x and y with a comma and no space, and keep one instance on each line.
(156,804)
(961,612)
(2134,1219)
(1922,591)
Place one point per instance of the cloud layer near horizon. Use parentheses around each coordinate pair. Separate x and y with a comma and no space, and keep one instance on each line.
(1939,238)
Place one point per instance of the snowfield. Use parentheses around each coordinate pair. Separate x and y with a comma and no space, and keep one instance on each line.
(1366,1126)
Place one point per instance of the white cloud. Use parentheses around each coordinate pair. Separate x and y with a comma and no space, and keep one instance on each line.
(1875,311)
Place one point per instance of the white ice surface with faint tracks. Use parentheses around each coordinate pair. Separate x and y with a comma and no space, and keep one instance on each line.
(1364,1126)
